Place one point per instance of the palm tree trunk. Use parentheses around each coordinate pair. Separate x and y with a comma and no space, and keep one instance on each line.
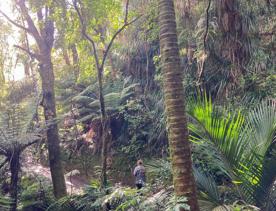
(183,179)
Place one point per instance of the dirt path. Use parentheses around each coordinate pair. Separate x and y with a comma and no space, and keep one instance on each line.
(75,183)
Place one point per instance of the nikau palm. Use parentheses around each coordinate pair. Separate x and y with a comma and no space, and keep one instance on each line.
(183,179)
(245,141)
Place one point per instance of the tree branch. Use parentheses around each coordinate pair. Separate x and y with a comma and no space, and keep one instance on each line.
(126,13)
(13,22)
(32,55)
(28,45)
(113,38)
(5,161)
(47,13)
(31,26)
(29,144)
(83,30)
(205,42)
(126,23)
(40,20)
(3,151)
(207,25)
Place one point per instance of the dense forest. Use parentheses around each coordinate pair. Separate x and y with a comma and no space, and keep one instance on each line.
(138,105)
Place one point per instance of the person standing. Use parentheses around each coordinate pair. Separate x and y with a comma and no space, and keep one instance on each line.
(140,175)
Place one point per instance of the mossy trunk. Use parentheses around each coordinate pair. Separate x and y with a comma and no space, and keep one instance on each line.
(183,179)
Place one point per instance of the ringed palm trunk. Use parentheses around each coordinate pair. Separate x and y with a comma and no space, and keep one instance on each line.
(180,152)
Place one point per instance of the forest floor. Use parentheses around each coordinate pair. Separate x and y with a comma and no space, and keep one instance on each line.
(75,182)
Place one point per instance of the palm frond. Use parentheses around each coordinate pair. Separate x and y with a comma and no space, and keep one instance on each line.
(207,183)
(261,131)
(243,141)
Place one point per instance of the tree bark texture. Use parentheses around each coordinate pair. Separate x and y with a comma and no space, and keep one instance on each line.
(49,106)
(183,179)
(75,61)
(105,129)
(43,35)
(14,168)
(235,46)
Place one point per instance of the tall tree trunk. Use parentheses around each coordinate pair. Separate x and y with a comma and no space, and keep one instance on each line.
(105,127)
(66,57)
(14,168)
(106,133)
(2,76)
(49,106)
(236,42)
(180,152)
(43,34)
(75,61)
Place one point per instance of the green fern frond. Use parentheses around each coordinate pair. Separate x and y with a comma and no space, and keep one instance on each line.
(16,125)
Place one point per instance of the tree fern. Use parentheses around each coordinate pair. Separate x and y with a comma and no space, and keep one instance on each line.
(5,203)
(115,97)
(16,125)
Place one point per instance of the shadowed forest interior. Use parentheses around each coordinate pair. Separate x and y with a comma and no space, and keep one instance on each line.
(137,105)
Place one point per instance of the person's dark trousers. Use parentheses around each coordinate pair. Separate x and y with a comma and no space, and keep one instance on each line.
(139,186)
